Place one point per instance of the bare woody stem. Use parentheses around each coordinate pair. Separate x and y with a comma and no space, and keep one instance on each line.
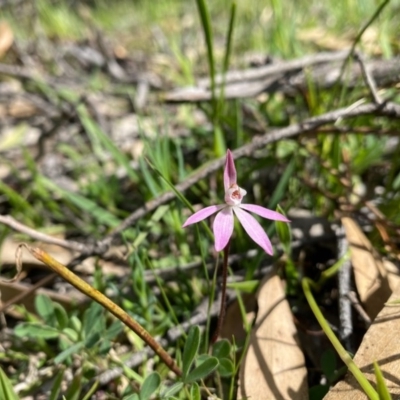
(97,296)
(223,293)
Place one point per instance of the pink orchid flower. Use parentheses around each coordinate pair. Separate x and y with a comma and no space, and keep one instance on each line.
(223,222)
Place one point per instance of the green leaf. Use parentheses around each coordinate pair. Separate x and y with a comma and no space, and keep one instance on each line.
(75,323)
(204,369)
(318,392)
(72,334)
(61,315)
(36,330)
(175,388)
(221,349)
(92,339)
(328,364)
(113,330)
(94,320)
(105,347)
(45,308)
(150,385)
(6,389)
(68,352)
(226,367)
(190,350)
(74,389)
(195,392)
(383,390)
(133,396)
(56,388)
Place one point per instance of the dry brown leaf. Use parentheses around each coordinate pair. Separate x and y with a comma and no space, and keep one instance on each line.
(392,274)
(323,38)
(6,37)
(233,325)
(369,273)
(21,108)
(381,343)
(64,256)
(9,291)
(10,245)
(274,365)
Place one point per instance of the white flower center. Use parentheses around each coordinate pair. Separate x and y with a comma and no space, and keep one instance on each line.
(234,195)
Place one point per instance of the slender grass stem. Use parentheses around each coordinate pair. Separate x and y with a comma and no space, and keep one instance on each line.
(361,379)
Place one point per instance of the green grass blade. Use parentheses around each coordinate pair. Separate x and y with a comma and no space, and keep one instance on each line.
(203,370)
(228,51)
(16,200)
(98,213)
(206,25)
(280,189)
(361,379)
(101,139)
(383,390)
(6,389)
(180,196)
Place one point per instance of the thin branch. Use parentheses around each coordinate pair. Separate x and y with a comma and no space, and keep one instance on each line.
(358,307)
(374,16)
(288,78)
(276,68)
(9,221)
(369,80)
(22,295)
(359,36)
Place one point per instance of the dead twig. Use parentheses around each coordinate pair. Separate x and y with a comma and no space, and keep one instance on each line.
(277,68)
(358,307)
(17,299)
(9,221)
(290,76)
(369,80)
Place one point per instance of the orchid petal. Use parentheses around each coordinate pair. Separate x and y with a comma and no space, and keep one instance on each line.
(223,228)
(264,212)
(229,171)
(202,214)
(254,229)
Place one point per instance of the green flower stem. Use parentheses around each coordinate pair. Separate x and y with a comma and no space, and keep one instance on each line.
(361,379)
